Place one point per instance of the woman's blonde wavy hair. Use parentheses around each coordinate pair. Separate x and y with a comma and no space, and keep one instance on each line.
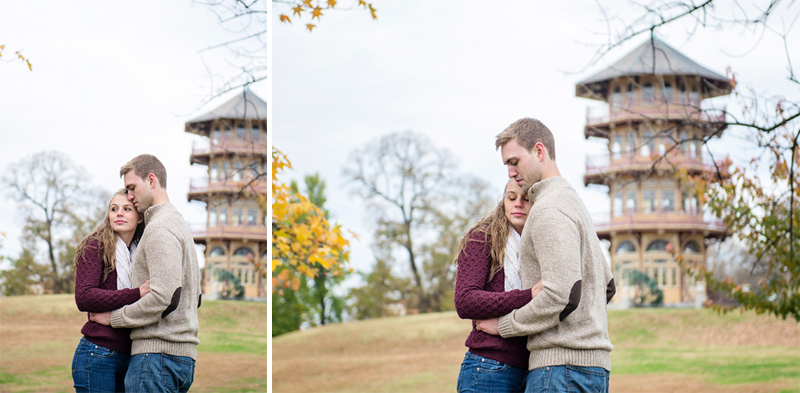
(495,224)
(107,239)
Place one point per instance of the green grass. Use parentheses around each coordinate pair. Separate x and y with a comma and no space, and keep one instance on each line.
(226,342)
(421,353)
(714,364)
(38,336)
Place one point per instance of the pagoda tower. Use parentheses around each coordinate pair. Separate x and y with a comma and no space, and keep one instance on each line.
(653,125)
(234,150)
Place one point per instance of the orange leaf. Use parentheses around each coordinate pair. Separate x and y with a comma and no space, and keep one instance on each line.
(361,2)
(307,3)
(310,27)
(331,3)
(297,10)
(372,11)
(285,18)
(316,13)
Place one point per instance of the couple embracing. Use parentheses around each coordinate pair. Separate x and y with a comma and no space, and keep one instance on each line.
(533,277)
(137,277)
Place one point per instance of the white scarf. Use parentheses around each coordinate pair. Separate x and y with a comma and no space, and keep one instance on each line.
(123,259)
(511,260)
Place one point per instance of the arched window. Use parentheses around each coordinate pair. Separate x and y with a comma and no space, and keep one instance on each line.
(648,144)
(616,146)
(657,245)
(215,136)
(647,94)
(682,94)
(691,247)
(667,92)
(625,247)
(629,96)
(616,98)
(216,252)
(242,251)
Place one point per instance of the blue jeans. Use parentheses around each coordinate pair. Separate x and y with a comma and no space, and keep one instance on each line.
(98,369)
(159,372)
(556,379)
(479,374)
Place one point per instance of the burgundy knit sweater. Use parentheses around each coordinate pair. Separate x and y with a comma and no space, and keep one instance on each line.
(477,299)
(92,295)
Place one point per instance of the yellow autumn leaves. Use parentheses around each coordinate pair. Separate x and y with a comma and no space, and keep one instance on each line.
(19,56)
(315,9)
(303,241)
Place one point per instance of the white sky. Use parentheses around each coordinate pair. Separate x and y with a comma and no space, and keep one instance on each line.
(115,79)
(110,80)
(460,72)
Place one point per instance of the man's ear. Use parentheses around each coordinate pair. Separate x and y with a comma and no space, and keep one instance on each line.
(152,179)
(540,150)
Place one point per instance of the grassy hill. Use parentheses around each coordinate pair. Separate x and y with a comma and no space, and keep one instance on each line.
(38,336)
(656,350)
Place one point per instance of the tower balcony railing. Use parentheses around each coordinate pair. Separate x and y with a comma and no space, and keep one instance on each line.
(682,221)
(243,231)
(231,145)
(605,114)
(203,185)
(634,160)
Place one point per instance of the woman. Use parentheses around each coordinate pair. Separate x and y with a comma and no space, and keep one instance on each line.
(488,286)
(103,283)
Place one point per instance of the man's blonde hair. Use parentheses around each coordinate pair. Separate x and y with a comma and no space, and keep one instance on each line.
(528,132)
(145,164)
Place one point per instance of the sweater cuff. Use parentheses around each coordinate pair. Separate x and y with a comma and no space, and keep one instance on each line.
(116,318)
(504,326)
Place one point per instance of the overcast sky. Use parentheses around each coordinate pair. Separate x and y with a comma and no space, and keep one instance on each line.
(460,72)
(110,80)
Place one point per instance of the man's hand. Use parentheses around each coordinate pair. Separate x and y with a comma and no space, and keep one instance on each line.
(103,318)
(488,326)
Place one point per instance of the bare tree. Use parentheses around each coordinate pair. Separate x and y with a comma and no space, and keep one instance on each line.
(58,208)
(246,53)
(420,203)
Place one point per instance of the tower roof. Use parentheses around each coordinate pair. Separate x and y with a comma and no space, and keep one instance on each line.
(241,106)
(652,58)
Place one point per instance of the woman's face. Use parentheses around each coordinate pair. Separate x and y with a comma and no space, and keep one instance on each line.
(122,215)
(517,205)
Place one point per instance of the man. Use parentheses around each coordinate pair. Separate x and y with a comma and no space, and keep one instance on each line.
(566,323)
(165,322)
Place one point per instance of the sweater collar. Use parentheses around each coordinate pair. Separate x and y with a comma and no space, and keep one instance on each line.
(543,187)
(155,210)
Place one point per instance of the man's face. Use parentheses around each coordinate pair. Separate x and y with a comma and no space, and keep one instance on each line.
(139,192)
(523,167)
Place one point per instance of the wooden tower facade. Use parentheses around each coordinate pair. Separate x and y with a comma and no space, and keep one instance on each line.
(234,150)
(654,125)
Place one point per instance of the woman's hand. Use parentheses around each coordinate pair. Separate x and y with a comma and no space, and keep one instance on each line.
(144,289)
(103,318)
(536,289)
(488,326)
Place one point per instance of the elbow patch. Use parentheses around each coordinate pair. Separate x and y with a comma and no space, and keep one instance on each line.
(176,298)
(574,300)
(611,289)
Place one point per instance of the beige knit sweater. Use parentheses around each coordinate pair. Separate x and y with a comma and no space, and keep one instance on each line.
(566,323)
(165,320)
